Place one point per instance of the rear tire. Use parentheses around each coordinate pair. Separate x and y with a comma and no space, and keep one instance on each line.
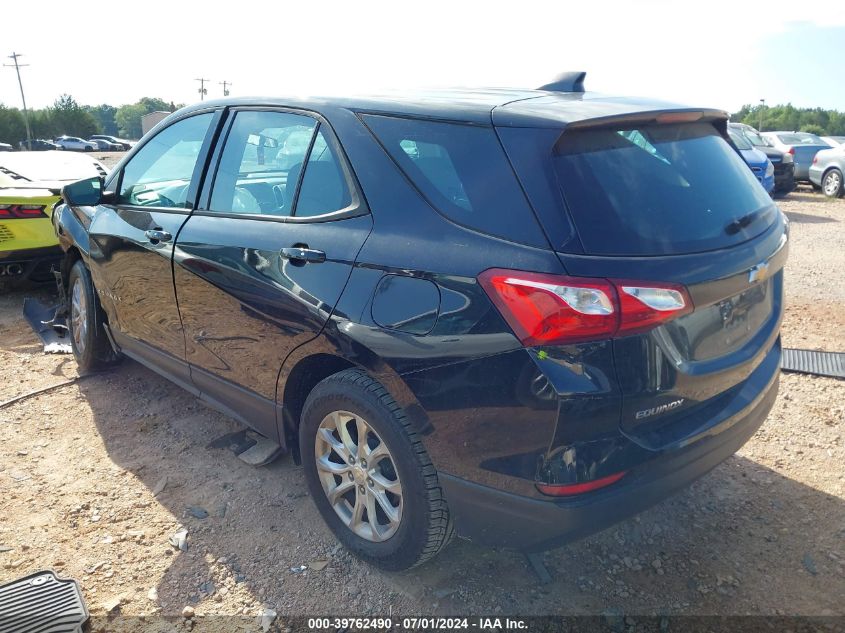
(832,183)
(91,347)
(399,485)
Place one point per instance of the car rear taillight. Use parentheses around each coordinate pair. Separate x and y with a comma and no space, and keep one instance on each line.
(545,309)
(816,159)
(645,305)
(568,490)
(22,211)
(792,151)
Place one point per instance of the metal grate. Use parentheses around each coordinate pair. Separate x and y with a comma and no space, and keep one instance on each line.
(807,361)
(42,602)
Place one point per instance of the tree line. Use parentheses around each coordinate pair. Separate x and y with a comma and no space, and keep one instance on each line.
(66,116)
(788,117)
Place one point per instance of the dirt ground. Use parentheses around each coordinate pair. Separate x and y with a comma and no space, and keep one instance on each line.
(95,477)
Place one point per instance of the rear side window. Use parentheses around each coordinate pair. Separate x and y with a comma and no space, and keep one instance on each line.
(266,158)
(323,187)
(261,161)
(463,173)
(659,190)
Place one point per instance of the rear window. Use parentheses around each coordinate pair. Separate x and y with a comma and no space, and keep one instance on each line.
(800,139)
(659,190)
(463,173)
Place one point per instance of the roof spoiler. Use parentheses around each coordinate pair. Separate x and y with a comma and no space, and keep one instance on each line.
(567,82)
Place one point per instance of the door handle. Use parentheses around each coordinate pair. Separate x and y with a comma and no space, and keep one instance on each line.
(157,235)
(303,254)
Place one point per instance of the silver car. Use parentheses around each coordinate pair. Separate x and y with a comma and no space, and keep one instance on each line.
(803,147)
(75,143)
(827,169)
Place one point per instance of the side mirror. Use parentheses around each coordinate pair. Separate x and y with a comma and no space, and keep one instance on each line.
(83,193)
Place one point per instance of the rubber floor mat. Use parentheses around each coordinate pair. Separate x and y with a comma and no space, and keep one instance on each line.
(42,603)
(807,361)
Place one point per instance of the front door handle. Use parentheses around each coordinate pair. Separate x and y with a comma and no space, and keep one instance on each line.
(157,235)
(303,254)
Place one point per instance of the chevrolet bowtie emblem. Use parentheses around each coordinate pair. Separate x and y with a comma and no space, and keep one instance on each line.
(758,273)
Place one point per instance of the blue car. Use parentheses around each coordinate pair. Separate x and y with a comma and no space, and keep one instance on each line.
(756,160)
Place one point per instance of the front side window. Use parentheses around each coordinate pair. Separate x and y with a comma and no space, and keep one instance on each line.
(159,175)
(266,168)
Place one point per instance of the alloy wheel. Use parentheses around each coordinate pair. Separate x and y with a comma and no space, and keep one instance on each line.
(79,315)
(832,183)
(359,476)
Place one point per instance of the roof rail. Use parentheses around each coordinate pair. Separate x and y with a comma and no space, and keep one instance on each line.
(567,82)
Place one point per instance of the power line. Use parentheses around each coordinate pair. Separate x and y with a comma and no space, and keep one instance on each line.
(225,85)
(202,90)
(14,56)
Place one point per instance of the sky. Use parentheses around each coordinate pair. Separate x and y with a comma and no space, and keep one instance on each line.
(710,54)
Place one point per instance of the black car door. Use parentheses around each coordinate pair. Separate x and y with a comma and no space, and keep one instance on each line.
(132,242)
(259,266)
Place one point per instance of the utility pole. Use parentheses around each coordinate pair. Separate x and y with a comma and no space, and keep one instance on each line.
(14,56)
(762,105)
(225,85)
(202,89)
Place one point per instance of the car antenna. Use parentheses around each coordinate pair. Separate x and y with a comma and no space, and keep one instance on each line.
(567,82)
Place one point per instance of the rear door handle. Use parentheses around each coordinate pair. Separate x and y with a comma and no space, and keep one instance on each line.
(157,235)
(303,254)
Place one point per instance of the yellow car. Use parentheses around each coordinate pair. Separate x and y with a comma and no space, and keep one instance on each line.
(30,186)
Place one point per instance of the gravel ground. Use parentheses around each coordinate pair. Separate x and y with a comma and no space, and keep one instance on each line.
(95,478)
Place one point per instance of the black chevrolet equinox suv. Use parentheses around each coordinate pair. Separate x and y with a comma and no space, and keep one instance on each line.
(521,315)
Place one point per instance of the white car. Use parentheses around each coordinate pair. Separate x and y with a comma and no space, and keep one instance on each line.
(834,141)
(75,143)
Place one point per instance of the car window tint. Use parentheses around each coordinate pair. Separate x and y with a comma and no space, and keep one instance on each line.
(324,187)
(261,162)
(160,173)
(462,171)
(659,190)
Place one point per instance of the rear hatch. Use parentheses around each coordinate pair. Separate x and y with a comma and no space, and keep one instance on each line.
(668,201)
(804,148)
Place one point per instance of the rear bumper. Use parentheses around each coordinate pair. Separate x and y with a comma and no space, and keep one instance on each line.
(815,174)
(499,518)
(784,178)
(31,264)
(802,172)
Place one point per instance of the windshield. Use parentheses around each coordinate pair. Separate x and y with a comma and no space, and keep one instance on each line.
(755,139)
(658,190)
(739,140)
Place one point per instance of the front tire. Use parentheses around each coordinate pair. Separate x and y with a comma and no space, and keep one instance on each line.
(369,474)
(91,347)
(832,183)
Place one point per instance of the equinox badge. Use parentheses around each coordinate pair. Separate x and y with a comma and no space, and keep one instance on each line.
(663,408)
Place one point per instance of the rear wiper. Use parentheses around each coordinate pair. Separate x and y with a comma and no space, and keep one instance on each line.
(740,223)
